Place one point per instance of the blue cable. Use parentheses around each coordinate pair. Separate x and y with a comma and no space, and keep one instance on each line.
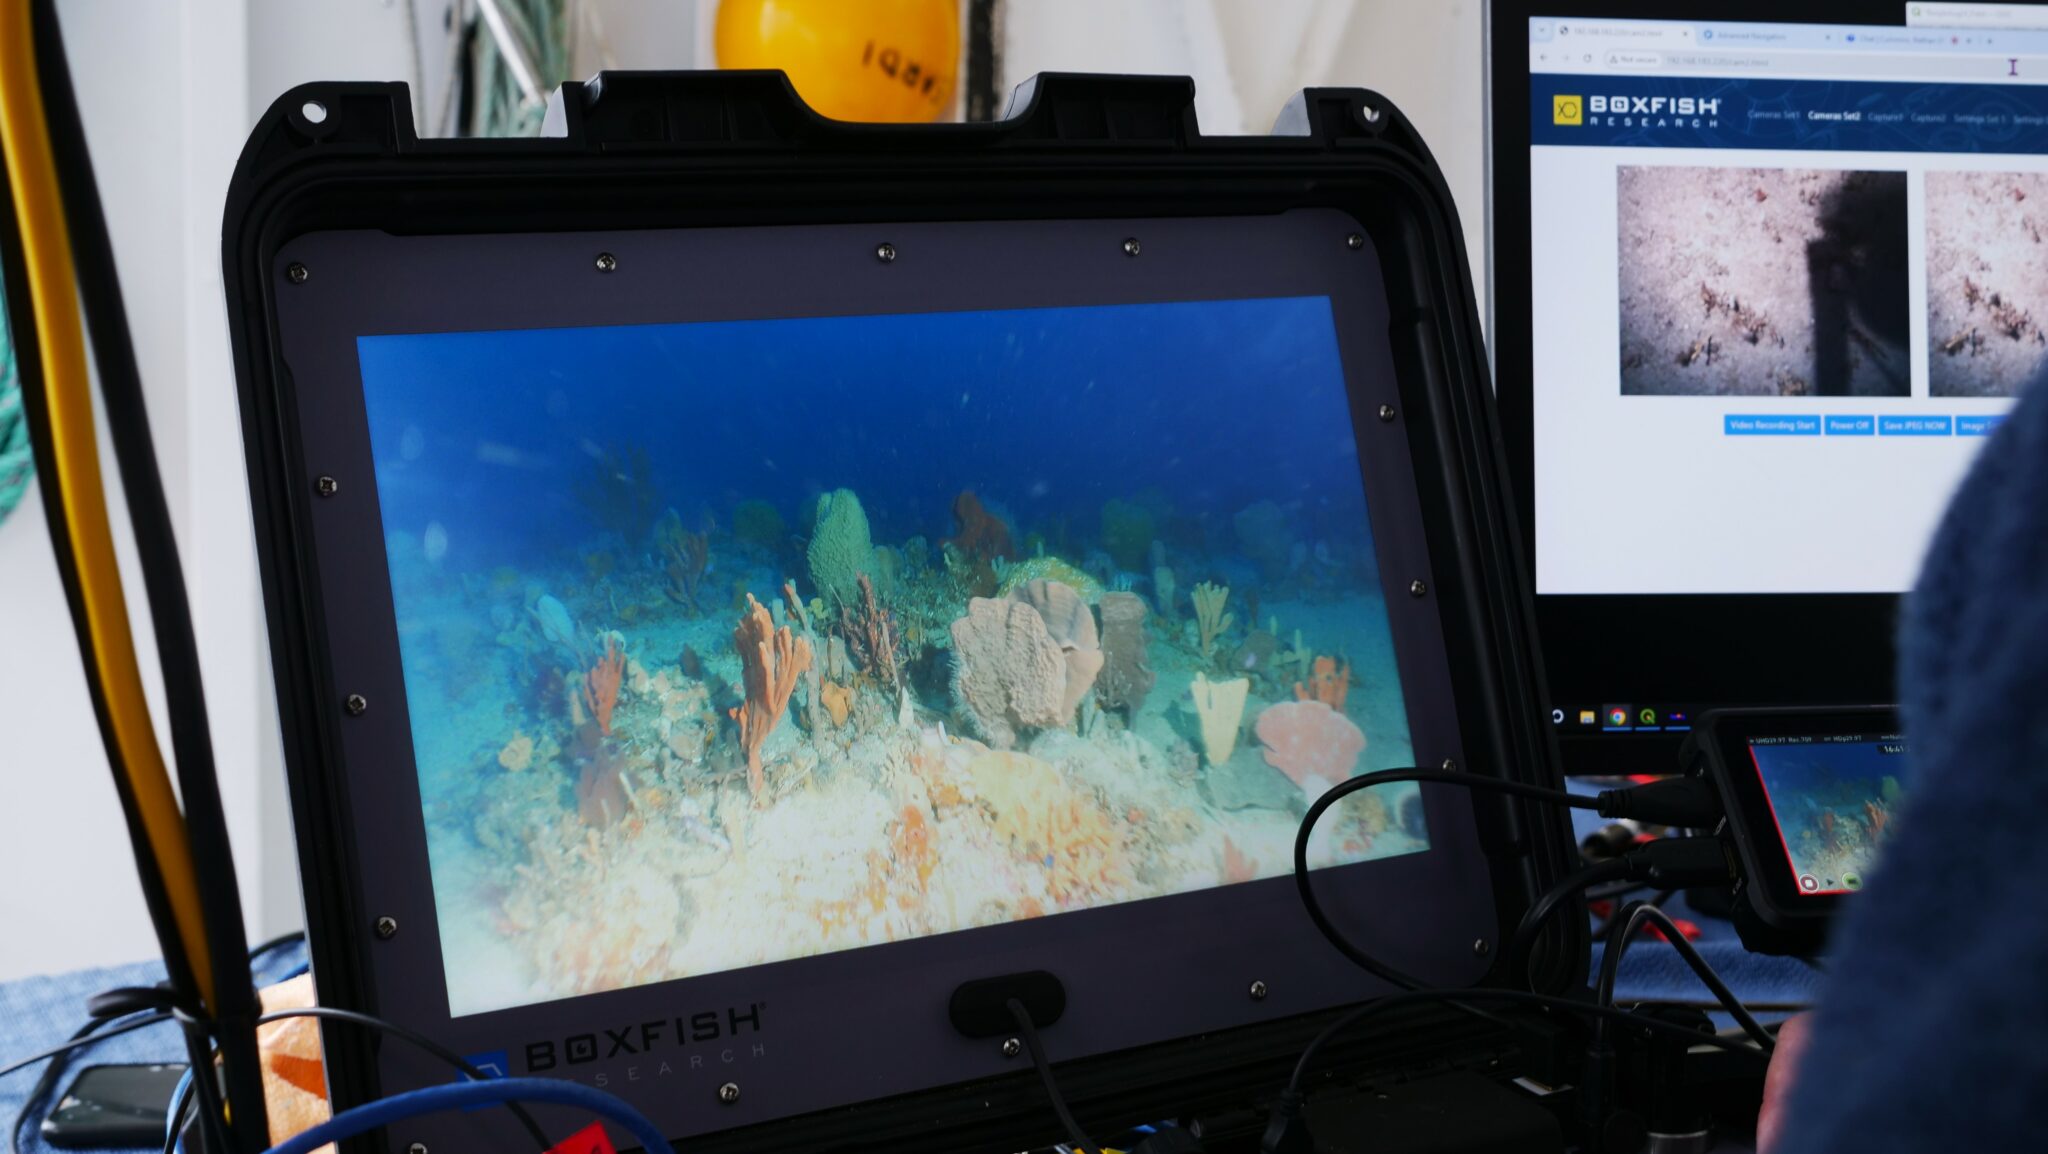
(457,1095)
(177,1096)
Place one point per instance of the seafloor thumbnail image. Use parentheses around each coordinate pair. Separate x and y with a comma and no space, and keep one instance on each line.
(733,642)
(1987,274)
(1763,282)
(1834,805)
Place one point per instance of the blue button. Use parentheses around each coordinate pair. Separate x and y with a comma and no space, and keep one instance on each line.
(1978,426)
(1841,425)
(1769,425)
(1895,426)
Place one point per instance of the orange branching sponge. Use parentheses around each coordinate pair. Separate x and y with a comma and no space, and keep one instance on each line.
(911,842)
(1328,683)
(771,659)
(601,688)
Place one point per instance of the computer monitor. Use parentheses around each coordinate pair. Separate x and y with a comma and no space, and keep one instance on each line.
(1764,278)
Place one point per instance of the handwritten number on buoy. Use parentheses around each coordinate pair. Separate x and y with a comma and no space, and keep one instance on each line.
(890,62)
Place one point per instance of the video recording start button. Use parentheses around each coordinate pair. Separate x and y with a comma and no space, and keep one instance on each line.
(1770,425)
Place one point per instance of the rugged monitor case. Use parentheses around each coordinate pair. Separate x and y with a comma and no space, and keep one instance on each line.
(681,150)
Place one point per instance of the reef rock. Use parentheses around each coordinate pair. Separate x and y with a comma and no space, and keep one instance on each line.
(1256,654)
(1008,672)
(517,754)
(552,620)
(1071,624)
(1314,745)
(1024,572)
(983,535)
(1127,532)
(1046,819)
(1126,674)
(757,523)
(841,549)
(1247,783)
(1263,536)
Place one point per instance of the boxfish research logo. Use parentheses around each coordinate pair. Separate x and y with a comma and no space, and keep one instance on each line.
(1572,111)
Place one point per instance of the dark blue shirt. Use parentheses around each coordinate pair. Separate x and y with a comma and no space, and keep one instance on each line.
(1932,1030)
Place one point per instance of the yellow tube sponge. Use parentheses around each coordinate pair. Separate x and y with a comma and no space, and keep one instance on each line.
(1220,706)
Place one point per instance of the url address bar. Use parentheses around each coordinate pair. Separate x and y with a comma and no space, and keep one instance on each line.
(1859,66)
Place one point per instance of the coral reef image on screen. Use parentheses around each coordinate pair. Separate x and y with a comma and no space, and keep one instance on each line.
(1833,802)
(1987,276)
(1763,282)
(726,643)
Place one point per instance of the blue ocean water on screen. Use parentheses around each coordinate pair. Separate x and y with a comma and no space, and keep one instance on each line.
(731,642)
(1833,802)
(1048,412)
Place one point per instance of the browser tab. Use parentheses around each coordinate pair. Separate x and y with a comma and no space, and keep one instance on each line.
(2017,16)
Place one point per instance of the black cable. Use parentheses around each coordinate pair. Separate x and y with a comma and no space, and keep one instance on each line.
(179,1116)
(163,579)
(1657,899)
(1076,1137)
(1610,965)
(1287,1108)
(1514,997)
(1667,862)
(45,1084)
(1329,930)
(258,951)
(205,1086)
(407,1034)
(113,1030)
(1539,912)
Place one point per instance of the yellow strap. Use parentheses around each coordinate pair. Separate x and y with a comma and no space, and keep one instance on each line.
(46,251)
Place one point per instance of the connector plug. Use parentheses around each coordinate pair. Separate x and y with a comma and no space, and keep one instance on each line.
(1286,1131)
(1680,862)
(1684,802)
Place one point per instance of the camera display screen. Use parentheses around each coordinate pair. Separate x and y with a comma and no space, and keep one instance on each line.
(731,642)
(1833,799)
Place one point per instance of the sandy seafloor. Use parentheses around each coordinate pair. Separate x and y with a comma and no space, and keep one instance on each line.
(875,833)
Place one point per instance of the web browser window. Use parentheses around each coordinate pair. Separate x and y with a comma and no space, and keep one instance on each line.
(1789,277)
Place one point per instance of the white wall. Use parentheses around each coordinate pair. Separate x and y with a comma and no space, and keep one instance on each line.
(1248,57)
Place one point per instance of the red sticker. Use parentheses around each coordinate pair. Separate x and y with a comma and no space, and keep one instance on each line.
(589,1140)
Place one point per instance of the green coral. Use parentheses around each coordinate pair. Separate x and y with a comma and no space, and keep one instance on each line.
(1052,569)
(758,523)
(1127,532)
(841,547)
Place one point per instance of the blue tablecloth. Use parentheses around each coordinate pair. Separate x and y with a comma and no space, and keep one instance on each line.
(37,1013)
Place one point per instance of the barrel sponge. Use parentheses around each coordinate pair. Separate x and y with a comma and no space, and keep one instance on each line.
(1008,672)
(841,550)
(1127,676)
(1072,626)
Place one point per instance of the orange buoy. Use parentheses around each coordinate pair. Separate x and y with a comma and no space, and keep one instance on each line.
(868,60)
